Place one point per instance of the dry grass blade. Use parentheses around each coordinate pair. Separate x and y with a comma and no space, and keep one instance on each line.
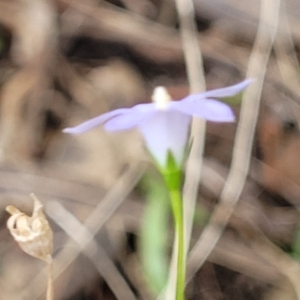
(102,212)
(287,60)
(93,250)
(278,258)
(244,137)
(127,28)
(13,94)
(34,41)
(194,66)
(237,256)
(196,79)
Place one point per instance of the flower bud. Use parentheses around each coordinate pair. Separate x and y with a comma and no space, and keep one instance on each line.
(33,234)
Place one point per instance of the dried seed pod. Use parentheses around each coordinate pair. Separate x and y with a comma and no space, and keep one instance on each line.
(33,234)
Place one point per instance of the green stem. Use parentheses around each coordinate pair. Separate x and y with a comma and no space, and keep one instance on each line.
(177,208)
(172,175)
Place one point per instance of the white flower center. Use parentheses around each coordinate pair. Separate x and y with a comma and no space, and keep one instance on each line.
(161,98)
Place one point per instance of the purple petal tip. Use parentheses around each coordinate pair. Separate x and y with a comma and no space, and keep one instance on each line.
(70,130)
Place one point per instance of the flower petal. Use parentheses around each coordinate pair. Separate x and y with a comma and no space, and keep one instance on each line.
(166,131)
(90,124)
(221,93)
(208,109)
(132,118)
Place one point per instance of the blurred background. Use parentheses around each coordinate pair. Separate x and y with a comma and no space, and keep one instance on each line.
(63,62)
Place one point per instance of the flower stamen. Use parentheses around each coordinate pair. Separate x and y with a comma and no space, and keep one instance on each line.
(161,98)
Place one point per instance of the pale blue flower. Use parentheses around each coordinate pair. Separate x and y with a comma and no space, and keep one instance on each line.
(163,123)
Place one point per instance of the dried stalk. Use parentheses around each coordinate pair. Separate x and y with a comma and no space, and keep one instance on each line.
(93,250)
(50,289)
(277,258)
(244,137)
(34,235)
(94,222)
(195,73)
(196,79)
